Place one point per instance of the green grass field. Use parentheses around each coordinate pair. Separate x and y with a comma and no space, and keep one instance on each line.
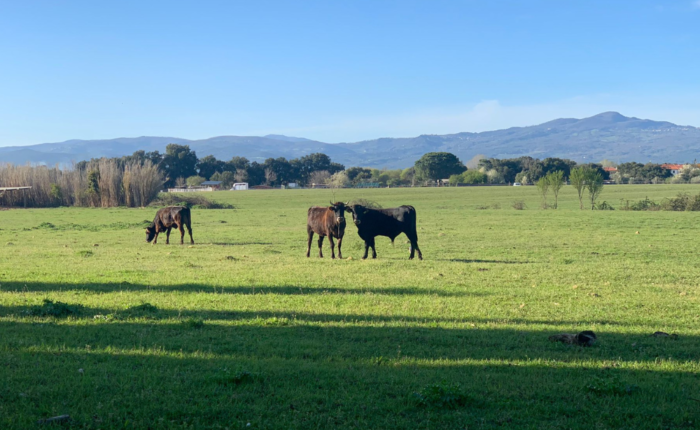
(242,331)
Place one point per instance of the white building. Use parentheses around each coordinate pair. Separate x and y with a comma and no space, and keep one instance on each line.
(240,186)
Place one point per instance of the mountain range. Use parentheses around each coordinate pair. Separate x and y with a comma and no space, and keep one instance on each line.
(608,135)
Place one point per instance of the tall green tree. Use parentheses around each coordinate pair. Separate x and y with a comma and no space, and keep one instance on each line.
(316,162)
(556,181)
(194,181)
(578,181)
(438,165)
(93,187)
(408,176)
(256,173)
(179,161)
(594,184)
(237,164)
(278,171)
(209,165)
(226,177)
(543,188)
(359,174)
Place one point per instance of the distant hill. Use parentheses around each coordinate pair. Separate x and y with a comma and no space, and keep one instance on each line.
(607,135)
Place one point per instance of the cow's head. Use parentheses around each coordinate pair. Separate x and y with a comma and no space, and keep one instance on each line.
(338,209)
(150,233)
(358,212)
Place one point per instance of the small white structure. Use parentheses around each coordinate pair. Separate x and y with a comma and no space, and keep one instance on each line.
(240,186)
(292,185)
(190,190)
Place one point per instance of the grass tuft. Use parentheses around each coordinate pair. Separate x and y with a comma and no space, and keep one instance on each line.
(50,308)
(610,386)
(442,395)
(190,201)
(192,322)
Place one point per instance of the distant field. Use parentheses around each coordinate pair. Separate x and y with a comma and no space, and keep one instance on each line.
(242,328)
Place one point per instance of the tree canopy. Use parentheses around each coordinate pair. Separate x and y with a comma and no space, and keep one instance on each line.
(438,165)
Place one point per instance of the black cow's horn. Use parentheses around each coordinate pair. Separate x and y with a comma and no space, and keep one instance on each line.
(332,204)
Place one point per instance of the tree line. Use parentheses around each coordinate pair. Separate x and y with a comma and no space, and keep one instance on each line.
(135,180)
(180,166)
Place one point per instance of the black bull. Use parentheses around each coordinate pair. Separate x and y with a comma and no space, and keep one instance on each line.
(385,222)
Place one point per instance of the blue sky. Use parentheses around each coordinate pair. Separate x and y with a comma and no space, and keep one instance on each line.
(338,70)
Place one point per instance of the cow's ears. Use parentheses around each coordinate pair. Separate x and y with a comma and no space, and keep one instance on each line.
(331,207)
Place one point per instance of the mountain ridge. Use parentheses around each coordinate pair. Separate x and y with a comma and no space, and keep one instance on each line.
(608,135)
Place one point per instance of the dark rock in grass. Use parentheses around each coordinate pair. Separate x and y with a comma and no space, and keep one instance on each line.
(585,338)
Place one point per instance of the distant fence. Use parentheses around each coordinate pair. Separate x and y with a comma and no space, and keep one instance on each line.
(480,185)
(189,190)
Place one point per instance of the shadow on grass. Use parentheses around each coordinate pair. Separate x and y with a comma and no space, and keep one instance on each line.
(462,260)
(335,376)
(351,335)
(196,288)
(237,243)
(282,318)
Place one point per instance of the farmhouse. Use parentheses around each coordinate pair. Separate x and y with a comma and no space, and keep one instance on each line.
(674,168)
(214,185)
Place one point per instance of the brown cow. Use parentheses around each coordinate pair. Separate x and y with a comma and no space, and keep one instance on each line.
(326,221)
(165,219)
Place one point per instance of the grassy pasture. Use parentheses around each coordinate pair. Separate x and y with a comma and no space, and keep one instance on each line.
(242,328)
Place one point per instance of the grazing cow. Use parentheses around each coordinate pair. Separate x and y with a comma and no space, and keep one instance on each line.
(165,219)
(326,221)
(385,222)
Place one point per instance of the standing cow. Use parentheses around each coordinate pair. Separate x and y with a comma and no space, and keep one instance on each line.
(385,222)
(166,219)
(326,221)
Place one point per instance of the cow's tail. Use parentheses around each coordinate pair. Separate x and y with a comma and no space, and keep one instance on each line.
(187,215)
(413,216)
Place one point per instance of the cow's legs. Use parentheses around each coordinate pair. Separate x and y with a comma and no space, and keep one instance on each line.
(320,246)
(155,238)
(374,251)
(182,233)
(167,236)
(189,230)
(340,242)
(415,245)
(308,245)
(330,239)
(366,249)
(413,238)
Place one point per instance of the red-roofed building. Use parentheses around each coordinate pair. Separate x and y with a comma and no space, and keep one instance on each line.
(610,169)
(674,168)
